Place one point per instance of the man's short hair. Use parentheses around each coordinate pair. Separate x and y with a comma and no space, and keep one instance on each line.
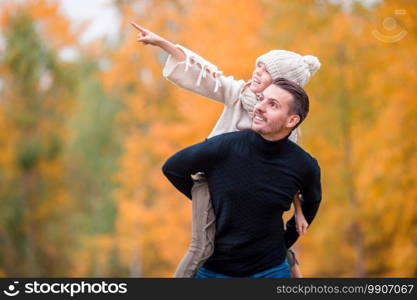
(300,104)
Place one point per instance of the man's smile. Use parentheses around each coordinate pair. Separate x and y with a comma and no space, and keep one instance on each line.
(259,118)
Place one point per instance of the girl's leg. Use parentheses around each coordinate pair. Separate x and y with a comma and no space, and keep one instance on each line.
(293,263)
(203,231)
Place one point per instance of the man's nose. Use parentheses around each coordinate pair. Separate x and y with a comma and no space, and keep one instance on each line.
(259,106)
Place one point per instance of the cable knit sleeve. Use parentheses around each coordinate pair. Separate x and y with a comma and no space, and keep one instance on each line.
(199,76)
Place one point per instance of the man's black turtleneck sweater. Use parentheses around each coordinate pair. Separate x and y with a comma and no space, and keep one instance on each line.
(252,181)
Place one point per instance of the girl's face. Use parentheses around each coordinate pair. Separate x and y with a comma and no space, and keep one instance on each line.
(260,78)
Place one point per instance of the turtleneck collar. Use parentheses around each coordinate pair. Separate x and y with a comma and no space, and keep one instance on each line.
(267,147)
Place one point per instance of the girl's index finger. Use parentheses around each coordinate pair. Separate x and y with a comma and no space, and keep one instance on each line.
(137,27)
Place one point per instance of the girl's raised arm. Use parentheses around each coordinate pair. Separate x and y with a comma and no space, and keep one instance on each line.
(190,71)
(147,37)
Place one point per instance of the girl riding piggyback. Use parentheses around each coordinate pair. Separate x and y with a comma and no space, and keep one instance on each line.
(190,71)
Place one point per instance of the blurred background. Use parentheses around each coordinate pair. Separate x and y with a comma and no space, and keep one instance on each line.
(87,120)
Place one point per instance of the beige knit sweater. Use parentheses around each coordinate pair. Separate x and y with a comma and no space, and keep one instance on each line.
(201,77)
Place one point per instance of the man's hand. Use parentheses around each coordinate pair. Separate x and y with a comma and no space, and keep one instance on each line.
(301,223)
(147,37)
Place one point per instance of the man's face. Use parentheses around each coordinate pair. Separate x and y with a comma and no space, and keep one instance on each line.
(271,116)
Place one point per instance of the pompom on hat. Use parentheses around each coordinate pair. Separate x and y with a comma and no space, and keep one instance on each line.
(290,65)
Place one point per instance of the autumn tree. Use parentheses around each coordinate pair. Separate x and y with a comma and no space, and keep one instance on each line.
(36,95)
(351,130)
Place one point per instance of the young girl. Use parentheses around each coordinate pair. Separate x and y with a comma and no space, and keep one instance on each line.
(188,70)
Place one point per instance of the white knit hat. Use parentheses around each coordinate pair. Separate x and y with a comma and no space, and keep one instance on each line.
(289,65)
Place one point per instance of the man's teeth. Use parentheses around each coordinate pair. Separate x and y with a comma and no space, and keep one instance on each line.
(259,118)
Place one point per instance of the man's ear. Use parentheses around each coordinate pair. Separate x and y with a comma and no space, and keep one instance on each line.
(293,120)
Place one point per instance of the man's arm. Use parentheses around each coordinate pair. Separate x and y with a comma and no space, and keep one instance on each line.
(200,157)
(311,193)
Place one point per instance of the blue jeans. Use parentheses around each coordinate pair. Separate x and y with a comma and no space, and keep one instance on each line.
(280,271)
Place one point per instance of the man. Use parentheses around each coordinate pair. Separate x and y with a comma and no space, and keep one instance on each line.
(253,176)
